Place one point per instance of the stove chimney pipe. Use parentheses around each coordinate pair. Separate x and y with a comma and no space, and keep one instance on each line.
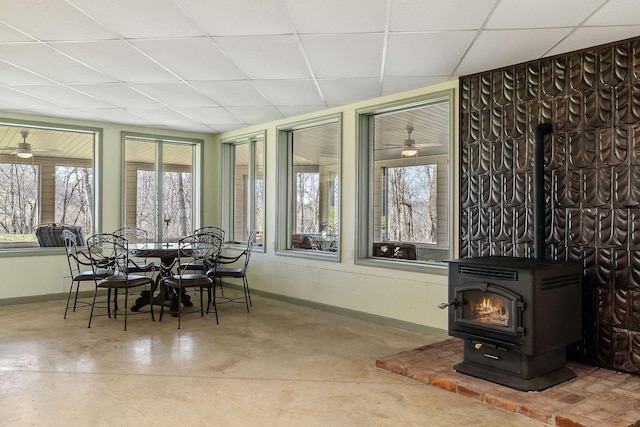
(538,189)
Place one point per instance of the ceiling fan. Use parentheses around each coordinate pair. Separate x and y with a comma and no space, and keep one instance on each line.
(24,150)
(410,148)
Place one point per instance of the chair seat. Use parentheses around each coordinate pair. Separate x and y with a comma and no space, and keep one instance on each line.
(124,281)
(228,272)
(193,266)
(89,275)
(188,281)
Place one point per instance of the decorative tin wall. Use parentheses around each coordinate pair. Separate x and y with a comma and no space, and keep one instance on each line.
(592,180)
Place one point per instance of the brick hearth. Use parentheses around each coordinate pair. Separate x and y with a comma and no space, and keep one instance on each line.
(596,398)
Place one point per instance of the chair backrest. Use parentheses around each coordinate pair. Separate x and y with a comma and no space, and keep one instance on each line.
(108,251)
(216,231)
(71,247)
(133,234)
(200,250)
(250,241)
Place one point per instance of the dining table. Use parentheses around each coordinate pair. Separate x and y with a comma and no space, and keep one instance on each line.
(167,253)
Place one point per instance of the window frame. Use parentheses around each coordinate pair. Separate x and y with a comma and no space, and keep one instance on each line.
(197,163)
(227,147)
(96,164)
(365,183)
(286,183)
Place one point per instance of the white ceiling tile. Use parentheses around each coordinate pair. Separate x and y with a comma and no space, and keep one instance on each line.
(62,95)
(346,91)
(41,59)
(338,16)
(116,58)
(8,34)
(167,116)
(512,14)
(591,37)
(391,85)
(515,46)
(19,99)
(191,58)
(177,94)
(420,54)
(289,92)
(11,75)
(328,55)
(256,115)
(266,57)
(66,113)
(118,94)
(212,116)
(52,20)
(617,12)
(140,18)
(231,93)
(233,17)
(429,15)
(118,115)
(297,110)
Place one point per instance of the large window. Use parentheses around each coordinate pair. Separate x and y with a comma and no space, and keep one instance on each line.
(244,187)
(404,174)
(160,183)
(46,176)
(309,179)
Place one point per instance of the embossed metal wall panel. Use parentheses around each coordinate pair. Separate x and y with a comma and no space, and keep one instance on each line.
(592,180)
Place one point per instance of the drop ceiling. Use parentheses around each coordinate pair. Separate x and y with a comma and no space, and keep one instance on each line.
(214,66)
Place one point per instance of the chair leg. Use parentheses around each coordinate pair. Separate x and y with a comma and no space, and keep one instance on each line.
(247,293)
(163,293)
(126,298)
(215,307)
(202,304)
(69,300)
(93,304)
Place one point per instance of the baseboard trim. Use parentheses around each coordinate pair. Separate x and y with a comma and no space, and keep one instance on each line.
(355,314)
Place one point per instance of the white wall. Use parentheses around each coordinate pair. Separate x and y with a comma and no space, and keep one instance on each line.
(401,295)
(395,294)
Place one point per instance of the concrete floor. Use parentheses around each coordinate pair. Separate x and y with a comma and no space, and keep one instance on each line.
(280,365)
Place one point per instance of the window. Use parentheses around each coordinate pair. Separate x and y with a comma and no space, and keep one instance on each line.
(46,176)
(308,174)
(243,175)
(404,175)
(160,182)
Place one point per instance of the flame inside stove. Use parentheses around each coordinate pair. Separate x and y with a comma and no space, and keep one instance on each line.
(487,311)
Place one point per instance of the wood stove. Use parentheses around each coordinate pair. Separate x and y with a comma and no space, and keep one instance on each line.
(517,315)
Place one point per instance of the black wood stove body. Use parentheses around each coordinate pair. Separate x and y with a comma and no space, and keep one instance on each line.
(516,316)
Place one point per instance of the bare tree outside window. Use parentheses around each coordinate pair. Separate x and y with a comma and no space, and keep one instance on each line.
(411,203)
(177,200)
(18,199)
(307,202)
(74,195)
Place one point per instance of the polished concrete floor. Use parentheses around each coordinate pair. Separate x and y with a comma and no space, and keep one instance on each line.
(280,365)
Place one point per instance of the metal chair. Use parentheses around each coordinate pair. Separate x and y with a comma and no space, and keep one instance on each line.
(195,251)
(111,252)
(78,262)
(236,272)
(214,231)
(137,235)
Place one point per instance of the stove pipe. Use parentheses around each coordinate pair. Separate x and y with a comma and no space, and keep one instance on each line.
(538,189)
